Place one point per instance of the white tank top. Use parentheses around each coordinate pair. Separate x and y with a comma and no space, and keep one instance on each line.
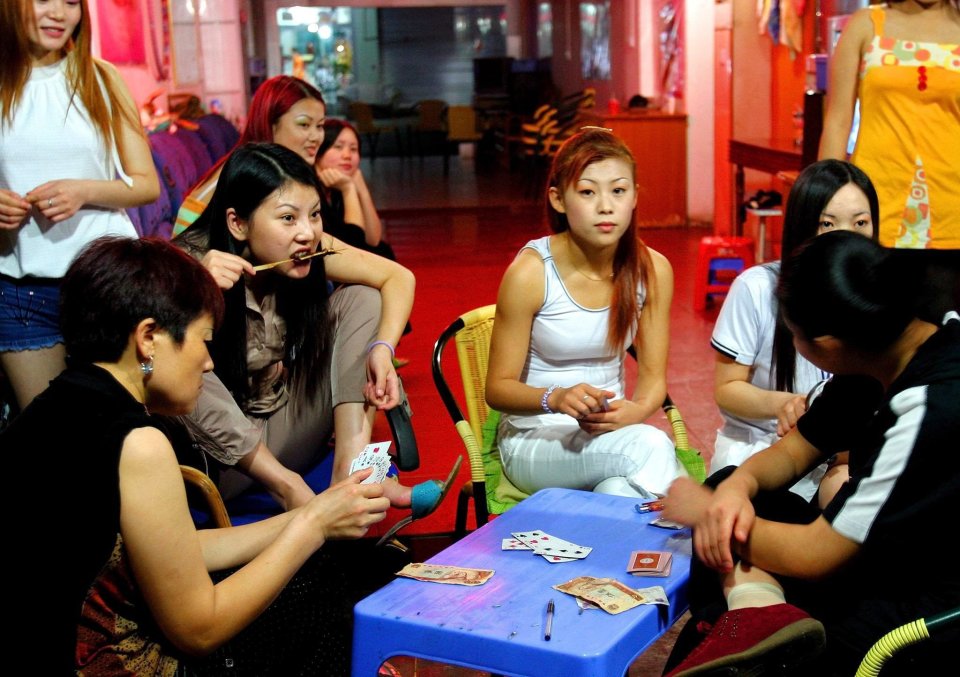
(52,138)
(568,343)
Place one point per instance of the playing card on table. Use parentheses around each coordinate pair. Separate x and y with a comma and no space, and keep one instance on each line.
(649,563)
(585,605)
(556,559)
(513,544)
(544,544)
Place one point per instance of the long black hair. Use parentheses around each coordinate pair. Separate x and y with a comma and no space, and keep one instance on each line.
(809,196)
(253,172)
(846,286)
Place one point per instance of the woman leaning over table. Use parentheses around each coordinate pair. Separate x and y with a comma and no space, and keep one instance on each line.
(72,157)
(132,592)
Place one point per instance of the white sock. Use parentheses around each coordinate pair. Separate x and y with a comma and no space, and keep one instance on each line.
(754,595)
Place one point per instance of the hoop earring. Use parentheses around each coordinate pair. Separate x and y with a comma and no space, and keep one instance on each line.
(147,366)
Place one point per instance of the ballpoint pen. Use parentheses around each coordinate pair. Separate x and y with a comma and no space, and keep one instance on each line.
(548,629)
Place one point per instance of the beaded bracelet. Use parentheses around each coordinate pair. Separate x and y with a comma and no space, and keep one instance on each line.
(380,343)
(546,396)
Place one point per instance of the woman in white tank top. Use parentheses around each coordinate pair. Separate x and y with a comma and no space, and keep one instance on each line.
(568,307)
(73,156)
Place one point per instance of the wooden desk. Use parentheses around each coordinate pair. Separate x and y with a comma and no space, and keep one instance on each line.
(766,155)
(659,145)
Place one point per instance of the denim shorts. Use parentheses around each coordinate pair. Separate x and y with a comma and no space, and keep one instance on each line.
(29,313)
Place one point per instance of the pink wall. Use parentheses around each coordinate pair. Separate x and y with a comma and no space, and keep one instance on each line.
(141,79)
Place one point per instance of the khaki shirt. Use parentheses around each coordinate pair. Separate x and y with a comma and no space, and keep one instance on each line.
(236,432)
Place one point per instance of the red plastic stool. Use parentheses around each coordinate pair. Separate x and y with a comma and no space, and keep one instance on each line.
(719,261)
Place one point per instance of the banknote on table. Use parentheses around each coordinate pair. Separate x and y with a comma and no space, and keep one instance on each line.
(610,594)
(654,595)
(585,605)
(442,573)
(574,585)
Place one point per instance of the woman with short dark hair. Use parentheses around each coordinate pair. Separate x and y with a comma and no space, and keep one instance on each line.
(132,593)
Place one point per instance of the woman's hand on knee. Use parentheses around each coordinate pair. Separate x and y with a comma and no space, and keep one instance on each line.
(686,502)
(729,517)
(383,386)
(348,509)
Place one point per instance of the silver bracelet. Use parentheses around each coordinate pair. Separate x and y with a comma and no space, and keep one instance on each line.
(546,395)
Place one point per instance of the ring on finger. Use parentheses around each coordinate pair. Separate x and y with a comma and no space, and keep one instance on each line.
(586,397)
(50,202)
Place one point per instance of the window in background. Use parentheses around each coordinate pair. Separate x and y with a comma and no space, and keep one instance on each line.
(595,40)
(207,54)
(544,30)
(316,45)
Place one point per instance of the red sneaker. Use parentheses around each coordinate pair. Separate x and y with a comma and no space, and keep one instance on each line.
(756,641)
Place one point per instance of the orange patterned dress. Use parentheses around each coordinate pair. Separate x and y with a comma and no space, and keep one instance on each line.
(909,141)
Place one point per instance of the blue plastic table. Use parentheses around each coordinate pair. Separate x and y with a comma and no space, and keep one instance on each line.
(498,626)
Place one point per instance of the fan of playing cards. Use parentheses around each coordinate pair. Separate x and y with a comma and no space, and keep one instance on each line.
(373,455)
(552,549)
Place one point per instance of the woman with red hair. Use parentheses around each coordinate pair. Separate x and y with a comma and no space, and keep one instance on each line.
(284,110)
(569,306)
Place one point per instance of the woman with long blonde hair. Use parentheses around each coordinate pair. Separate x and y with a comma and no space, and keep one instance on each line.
(72,157)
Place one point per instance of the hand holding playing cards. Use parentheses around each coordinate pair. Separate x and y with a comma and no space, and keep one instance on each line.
(580,400)
(348,508)
(619,413)
(382,389)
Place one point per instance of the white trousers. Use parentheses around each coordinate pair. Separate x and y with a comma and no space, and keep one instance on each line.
(637,460)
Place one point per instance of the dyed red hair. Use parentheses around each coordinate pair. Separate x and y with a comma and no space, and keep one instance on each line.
(272,99)
(631,262)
